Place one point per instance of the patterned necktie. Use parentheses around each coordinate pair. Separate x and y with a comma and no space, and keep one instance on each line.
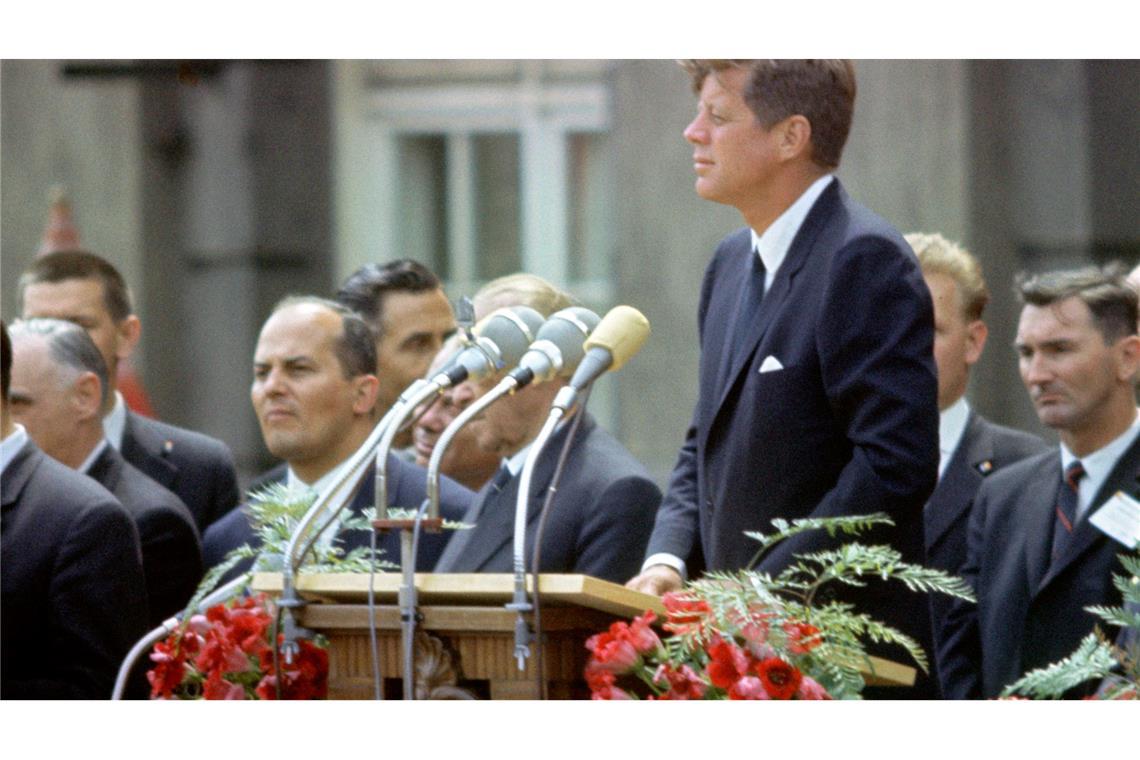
(1066,510)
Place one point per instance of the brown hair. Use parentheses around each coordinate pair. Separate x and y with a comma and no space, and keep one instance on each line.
(82,265)
(820,90)
(1112,302)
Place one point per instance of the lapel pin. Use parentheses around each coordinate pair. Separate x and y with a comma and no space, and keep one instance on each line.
(168,447)
(985,467)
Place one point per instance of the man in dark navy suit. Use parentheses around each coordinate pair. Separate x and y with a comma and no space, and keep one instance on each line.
(59,384)
(970,446)
(73,597)
(314,392)
(818,393)
(83,288)
(1040,550)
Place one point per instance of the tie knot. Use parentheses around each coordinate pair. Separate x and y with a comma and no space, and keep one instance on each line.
(1073,474)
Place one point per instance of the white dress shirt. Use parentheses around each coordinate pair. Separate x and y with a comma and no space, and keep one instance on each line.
(951,428)
(1099,464)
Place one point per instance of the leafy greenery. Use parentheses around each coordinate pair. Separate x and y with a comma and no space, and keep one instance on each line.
(1096,657)
(787,600)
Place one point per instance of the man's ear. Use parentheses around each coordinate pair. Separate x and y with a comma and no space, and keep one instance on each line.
(795,137)
(365,389)
(87,396)
(976,333)
(1128,358)
(127,334)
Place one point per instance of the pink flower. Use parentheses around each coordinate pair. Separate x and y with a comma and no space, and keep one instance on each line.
(612,649)
(810,689)
(641,634)
(684,683)
(216,687)
(748,687)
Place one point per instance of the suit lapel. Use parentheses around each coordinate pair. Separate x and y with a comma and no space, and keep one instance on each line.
(777,294)
(960,481)
(1125,476)
(1039,504)
(106,469)
(495,528)
(18,472)
(140,449)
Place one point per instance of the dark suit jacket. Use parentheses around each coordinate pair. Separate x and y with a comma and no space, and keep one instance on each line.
(197,469)
(74,595)
(599,522)
(849,426)
(984,449)
(407,487)
(171,548)
(1029,614)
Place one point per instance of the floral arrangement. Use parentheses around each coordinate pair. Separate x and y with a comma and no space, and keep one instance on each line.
(227,654)
(751,635)
(1113,664)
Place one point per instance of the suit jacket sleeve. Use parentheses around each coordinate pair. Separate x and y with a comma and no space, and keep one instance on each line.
(97,594)
(874,337)
(617,527)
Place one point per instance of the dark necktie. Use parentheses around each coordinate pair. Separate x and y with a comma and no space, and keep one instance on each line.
(458,542)
(1066,512)
(748,311)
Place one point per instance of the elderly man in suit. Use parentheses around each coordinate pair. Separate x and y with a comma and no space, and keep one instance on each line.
(83,288)
(970,446)
(59,385)
(314,392)
(1039,551)
(599,522)
(818,393)
(72,593)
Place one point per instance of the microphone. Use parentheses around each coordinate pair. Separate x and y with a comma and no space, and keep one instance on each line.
(502,338)
(558,346)
(616,339)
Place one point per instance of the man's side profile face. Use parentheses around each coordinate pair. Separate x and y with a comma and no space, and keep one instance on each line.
(734,156)
(83,301)
(958,342)
(1070,371)
(414,325)
(304,403)
(46,399)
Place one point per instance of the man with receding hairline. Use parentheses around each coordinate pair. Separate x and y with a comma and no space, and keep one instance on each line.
(81,287)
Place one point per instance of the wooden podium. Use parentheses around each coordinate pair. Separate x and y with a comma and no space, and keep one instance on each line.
(465,640)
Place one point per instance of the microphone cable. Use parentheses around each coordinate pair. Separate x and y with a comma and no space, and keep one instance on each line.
(536,556)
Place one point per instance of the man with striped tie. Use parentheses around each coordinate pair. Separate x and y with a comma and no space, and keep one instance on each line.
(1045,533)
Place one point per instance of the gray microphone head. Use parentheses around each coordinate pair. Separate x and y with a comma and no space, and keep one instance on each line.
(502,338)
(558,347)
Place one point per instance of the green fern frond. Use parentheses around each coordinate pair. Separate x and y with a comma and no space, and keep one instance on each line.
(1092,659)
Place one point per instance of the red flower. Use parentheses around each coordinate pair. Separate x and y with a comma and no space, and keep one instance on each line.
(167,674)
(684,613)
(641,634)
(304,678)
(216,687)
(748,687)
(780,679)
(612,649)
(684,683)
(809,689)
(727,664)
(601,683)
(802,637)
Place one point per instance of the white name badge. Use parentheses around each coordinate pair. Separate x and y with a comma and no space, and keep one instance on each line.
(1119,518)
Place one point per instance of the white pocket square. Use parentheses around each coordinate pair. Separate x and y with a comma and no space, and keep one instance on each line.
(771,364)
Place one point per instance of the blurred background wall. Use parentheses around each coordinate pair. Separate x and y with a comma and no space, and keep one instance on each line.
(218,186)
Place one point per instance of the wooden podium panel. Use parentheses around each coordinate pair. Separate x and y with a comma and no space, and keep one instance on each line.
(465,638)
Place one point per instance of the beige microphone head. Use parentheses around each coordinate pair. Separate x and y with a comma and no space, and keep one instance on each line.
(622,332)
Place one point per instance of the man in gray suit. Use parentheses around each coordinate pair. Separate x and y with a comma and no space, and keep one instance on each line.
(83,288)
(970,446)
(1040,549)
(59,384)
(600,521)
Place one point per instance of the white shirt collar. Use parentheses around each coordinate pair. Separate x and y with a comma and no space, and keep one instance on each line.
(773,244)
(516,462)
(95,454)
(11,446)
(1099,463)
(951,428)
(115,423)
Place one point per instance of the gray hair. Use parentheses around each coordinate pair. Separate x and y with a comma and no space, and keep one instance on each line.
(69,346)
